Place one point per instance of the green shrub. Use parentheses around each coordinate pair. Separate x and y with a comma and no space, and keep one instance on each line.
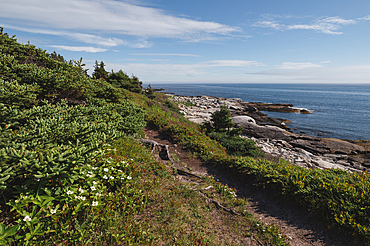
(236,145)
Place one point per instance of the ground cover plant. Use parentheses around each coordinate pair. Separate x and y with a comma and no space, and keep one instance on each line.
(71,171)
(341,198)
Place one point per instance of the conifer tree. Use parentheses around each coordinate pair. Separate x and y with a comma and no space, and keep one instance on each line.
(99,71)
(221,120)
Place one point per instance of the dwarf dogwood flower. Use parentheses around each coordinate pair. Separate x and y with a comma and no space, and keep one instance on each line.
(106,169)
(94,182)
(81,190)
(92,188)
(82,198)
(94,168)
(69,192)
(128,177)
(53,211)
(27,218)
(111,177)
(95,203)
(98,194)
(105,177)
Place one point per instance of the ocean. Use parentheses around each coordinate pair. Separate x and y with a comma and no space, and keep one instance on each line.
(338,111)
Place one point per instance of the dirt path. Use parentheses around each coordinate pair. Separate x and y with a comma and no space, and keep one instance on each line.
(295,222)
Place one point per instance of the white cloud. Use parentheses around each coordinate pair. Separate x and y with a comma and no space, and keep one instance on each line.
(365,18)
(86,38)
(163,54)
(109,16)
(73,48)
(327,25)
(231,63)
(302,65)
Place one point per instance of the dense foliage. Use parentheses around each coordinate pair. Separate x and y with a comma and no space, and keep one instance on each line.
(71,171)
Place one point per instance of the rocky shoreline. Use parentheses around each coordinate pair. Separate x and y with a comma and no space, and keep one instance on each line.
(275,138)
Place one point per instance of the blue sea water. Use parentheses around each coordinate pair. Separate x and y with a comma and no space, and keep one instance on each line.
(339,111)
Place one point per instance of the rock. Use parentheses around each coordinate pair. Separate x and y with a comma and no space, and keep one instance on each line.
(326,165)
(243,119)
(338,146)
(304,111)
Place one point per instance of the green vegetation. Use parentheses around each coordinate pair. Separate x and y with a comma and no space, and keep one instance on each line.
(71,170)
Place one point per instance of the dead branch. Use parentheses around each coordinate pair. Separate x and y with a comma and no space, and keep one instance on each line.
(232,211)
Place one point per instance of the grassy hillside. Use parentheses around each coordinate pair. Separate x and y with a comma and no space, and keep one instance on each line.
(71,171)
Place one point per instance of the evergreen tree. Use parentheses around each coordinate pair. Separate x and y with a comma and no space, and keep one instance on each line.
(99,71)
(221,120)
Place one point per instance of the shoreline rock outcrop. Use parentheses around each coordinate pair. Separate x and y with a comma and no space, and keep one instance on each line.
(275,138)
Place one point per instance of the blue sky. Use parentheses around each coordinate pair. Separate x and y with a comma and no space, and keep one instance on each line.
(200,41)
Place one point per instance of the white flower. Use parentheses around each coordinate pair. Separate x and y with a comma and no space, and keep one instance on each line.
(123,162)
(111,177)
(108,161)
(105,177)
(92,188)
(69,192)
(128,177)
(89,172)
(106,169)
(95,204)
(53,211)
(120,171)
(27,218)
(82,198)
(122,177)
(112,168)
(94,168)
(94,182)
(98,194)
(81,190)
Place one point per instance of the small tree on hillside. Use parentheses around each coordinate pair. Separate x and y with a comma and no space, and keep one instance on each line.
(99,71)
(221,120)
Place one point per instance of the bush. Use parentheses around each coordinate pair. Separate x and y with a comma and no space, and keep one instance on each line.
(236,145)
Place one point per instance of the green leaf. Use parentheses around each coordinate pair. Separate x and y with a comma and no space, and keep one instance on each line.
(12,230)
(2,229)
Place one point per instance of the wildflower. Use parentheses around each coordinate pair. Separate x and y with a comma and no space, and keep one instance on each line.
(123,162)
(89,172)
(94,168)
(111,177)
(69,192)
(105,177)
(94,182)
(112,168)
(92,188)
(128,177)
(27,218)
(108,161)
(81,190)
(120,171)
(122,177)
(53,211)
(106,169)
(95,204)
(98,194)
